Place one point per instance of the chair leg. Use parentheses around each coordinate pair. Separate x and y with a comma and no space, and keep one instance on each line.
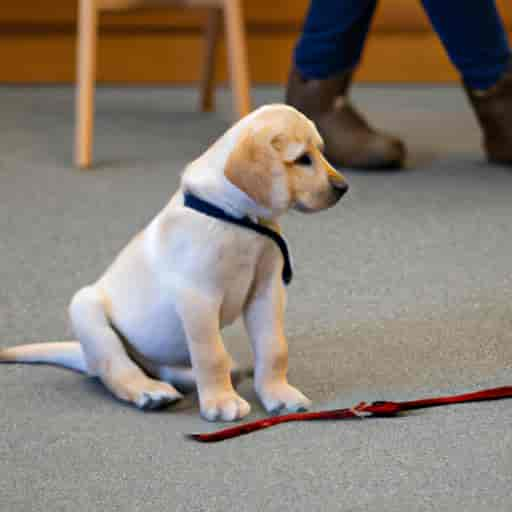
(237,51)
(211,39)
(86,71)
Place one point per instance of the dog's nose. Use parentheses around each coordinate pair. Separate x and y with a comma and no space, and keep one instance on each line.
(341,187)
(337,181)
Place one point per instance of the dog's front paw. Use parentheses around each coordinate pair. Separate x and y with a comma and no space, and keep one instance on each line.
(226,406)
(278,397)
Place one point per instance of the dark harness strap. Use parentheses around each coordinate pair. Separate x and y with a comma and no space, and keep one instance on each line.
(201,206)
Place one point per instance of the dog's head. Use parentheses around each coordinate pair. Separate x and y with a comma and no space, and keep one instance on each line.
(278,162)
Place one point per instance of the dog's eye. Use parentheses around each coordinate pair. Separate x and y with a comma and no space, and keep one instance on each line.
(304,159)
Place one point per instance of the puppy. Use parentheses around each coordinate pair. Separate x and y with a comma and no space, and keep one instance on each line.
(151,325)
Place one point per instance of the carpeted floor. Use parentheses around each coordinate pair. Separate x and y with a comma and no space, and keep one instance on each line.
(403,290)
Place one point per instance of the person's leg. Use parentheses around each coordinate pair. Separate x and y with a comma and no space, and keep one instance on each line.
(324,60)
(333,37)
(476,42)
(474,37)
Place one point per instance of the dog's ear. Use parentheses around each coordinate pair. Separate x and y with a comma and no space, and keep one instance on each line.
(289,150)
(249,167)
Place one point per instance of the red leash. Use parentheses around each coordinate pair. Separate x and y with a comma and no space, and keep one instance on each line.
(375,409)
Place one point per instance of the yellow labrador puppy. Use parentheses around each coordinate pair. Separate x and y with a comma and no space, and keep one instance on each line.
(152,323)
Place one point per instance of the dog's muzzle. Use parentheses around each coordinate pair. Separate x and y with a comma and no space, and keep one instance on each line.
(337,182)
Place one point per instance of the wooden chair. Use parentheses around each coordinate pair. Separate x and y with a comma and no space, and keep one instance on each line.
(230,10)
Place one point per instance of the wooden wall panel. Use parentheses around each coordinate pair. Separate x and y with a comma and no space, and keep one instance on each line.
(391,16)
(160,59)
(64,12)
(37,43)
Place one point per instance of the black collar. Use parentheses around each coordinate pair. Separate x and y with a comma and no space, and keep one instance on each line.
(195,203)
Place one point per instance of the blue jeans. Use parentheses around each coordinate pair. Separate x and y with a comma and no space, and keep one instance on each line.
(471,30)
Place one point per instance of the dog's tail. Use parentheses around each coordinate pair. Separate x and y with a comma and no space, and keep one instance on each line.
(66,354)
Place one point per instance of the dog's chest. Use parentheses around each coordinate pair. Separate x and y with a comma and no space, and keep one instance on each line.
(237,266)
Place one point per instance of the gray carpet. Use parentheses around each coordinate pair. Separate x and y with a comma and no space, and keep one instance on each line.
(403,290)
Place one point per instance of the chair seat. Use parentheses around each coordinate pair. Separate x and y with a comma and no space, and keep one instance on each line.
(138,4)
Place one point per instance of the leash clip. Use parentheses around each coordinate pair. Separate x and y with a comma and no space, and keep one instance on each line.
(360,411)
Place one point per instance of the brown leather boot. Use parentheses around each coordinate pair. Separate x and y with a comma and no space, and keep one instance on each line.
(493,108)
(349,140)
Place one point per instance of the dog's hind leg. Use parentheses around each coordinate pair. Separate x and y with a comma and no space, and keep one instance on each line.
(107,358)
